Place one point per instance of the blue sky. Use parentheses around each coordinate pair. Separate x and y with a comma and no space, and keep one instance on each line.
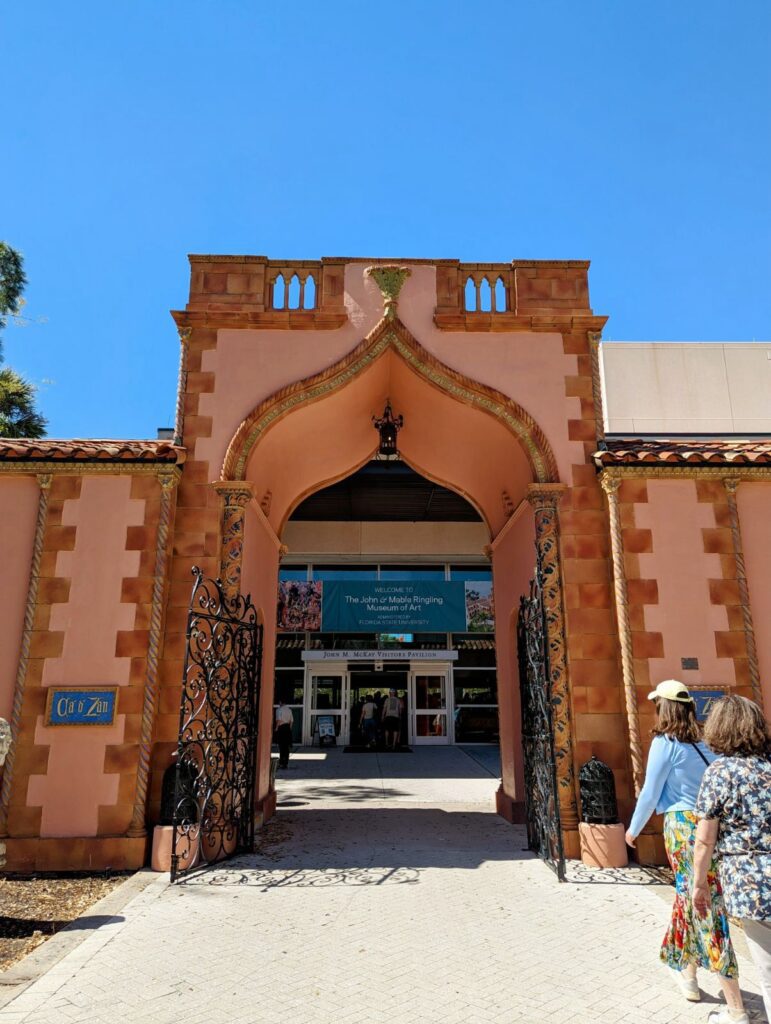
(634,135)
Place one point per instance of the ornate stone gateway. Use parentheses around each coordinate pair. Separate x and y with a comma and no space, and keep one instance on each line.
(214,793)
(544,832)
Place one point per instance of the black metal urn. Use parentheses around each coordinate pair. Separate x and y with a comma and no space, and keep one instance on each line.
(598,793)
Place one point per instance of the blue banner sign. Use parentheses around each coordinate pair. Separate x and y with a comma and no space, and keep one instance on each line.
(704,699)
(69,705)
(416,606)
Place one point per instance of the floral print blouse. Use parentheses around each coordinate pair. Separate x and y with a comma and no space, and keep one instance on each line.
(737,791)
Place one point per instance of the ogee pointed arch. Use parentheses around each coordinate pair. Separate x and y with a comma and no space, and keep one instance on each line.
(392,334)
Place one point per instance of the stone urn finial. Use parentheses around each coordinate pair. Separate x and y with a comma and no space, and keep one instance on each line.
(389,280)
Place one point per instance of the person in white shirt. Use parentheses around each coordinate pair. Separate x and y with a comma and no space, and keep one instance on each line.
(368,722)
(284,722)
(392,720)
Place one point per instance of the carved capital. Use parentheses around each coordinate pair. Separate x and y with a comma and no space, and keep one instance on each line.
(168,481)
(389,280)
(545,496)
(731,483)
(44,480)
(234,493)
(610,484)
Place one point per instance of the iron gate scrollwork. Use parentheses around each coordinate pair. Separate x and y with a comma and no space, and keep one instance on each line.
(216,758)
(544,832)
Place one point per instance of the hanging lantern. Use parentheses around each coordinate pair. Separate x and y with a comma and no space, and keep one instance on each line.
(388,427)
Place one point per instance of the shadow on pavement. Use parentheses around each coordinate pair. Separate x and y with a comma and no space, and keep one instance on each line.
(364,846)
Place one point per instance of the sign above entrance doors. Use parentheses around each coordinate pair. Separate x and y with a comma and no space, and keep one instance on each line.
(381,654)
(355,606)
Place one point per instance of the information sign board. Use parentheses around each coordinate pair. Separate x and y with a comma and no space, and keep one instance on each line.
(81,705)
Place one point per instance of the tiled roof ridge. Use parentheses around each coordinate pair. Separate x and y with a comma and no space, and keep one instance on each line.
(89,450)
(685,451)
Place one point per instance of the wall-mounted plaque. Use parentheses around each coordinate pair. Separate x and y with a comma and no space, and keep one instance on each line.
(704,697)
(81,705)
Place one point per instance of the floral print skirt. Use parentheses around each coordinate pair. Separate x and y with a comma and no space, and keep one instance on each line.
(691,939)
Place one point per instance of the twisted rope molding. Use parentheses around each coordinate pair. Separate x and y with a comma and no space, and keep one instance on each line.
(610,485)
(599,412)
(44,481)
(179,416)
(730,484)
(137,828)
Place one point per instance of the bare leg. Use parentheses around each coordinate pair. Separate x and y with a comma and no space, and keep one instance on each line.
(732,992)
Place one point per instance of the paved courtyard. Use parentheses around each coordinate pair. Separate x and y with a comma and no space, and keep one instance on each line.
(385,891)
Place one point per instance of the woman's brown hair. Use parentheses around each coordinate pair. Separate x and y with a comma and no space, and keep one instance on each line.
(736,726)
(677,718)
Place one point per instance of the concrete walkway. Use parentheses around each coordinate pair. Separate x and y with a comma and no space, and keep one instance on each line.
(384,891)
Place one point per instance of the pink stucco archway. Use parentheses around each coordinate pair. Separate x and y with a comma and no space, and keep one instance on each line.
(457,432)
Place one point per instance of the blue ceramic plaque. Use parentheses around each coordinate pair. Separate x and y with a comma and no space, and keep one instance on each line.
(704,699)
(70,705)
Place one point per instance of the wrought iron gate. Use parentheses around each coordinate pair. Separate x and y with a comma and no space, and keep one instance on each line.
(544,833)
(216,759)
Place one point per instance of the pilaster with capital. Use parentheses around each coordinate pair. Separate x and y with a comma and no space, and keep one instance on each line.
(545,499)
(610,485)
(235,496)
(599,410)
(731,484)
(44,482)
(179,417)
(167,481)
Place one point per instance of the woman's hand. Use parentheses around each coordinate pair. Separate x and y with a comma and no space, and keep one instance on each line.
(630,839)
(701,900)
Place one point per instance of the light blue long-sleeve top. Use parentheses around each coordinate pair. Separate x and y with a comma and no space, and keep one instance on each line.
(672,780)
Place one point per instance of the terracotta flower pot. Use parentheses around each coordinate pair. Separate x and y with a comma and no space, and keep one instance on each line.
(603,846)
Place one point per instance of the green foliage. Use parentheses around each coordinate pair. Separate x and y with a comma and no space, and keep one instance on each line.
(12,282)
(18,417)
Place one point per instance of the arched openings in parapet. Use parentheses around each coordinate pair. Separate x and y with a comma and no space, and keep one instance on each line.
(481,295)
(294,291)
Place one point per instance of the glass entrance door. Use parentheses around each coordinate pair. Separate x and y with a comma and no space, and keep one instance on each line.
(326,705)
(429,706)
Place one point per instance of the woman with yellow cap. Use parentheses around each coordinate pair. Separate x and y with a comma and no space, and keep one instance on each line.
(676,764)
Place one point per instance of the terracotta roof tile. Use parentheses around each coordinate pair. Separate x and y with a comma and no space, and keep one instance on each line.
(90,450)
(684,452)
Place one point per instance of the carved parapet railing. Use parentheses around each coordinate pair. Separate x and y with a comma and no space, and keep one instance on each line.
(513,296)
(253,291)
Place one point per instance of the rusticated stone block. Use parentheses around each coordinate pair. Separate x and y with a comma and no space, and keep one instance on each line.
(637,541)
(647,645)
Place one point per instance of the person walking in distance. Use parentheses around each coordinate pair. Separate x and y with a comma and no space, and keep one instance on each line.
(676,763)
(734,805)
(368,722)
(392,720)
(284,722)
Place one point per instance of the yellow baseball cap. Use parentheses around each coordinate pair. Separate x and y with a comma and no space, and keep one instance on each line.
(672,689)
